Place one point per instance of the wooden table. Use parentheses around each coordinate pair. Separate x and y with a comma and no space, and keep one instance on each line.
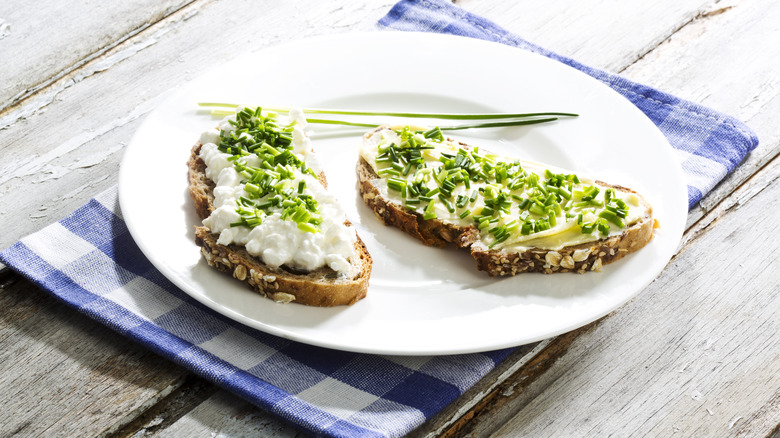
(697,353)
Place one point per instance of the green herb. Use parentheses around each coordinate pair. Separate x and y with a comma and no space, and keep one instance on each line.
(510,119)
(271,185)
(514,201)
(430,213)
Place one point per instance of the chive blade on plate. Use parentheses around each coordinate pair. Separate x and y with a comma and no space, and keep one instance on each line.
(517,119)
(444,116)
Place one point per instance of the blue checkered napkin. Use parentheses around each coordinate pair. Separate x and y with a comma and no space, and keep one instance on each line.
(709,145)
(90,261)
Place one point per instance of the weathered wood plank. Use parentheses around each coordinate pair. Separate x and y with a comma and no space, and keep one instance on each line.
(453,412)
(459,413)
(705,357)
(712,31)
(103,100)
(193,392)
(728,60)
(47,39)
(227,415)
(532,380)
(50,167)
(62,146)
(665,31)
(63,374)
(610,35)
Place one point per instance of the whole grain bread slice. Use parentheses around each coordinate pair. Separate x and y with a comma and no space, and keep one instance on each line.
(322,287)
(580,258)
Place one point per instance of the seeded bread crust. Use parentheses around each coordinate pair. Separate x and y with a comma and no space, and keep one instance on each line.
(575,258)
(322,287)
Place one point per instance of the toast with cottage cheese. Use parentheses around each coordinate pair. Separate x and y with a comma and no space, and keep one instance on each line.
(254,230)
(447,193)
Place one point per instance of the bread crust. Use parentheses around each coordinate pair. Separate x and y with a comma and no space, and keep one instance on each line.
(321,287)
(580,258)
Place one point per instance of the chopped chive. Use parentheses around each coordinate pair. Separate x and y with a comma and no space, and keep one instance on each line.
(447,203)
(537,209)
(397,184)
(430,213)
(434,133)
(603,226)
(305,226)
(612,217)
(389,171)
(432,192)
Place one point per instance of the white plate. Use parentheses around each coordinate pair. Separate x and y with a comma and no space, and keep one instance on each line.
(420,300)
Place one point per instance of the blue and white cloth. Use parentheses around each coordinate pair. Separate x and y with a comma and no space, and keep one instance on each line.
(709,144)
(90,261)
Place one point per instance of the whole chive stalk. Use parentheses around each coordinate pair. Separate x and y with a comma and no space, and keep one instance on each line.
(519,118)
(443,116)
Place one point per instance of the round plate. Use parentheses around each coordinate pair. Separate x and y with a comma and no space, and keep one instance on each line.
(421,300)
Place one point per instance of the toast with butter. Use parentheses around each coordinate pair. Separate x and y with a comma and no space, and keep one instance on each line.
(513,216)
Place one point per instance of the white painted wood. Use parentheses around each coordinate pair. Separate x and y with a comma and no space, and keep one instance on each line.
(439,426)
(62,374)
(606,34)
(728,25)
(728,60)
(226,415)
(470,400)
(697,353)
(45,39)
(49,168)
(663,44)
(61,147)
(63,143)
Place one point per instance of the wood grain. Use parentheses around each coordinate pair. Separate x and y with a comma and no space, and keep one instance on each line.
(63,374)
(710,61)
(693,354)
(50,39)
(698,50)
(606,34)
(227,415)
(77,127)
(724,26)
(60,147)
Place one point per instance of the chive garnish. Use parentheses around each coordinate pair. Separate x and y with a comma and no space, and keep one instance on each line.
(514,201)
(271,186)
(508,119)
(430,213)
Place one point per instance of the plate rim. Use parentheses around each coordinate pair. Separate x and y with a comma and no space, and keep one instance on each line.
(277,331)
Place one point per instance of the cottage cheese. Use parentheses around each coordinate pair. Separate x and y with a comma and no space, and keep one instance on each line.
(278,241)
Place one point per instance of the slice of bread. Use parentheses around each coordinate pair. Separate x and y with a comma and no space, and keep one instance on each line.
(580,257)
(322,287)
